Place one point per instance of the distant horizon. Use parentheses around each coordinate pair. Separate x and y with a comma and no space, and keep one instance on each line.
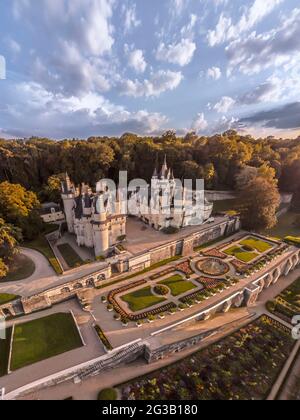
(72,69)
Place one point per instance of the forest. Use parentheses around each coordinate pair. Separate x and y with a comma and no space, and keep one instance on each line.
(31,172)
(218,159)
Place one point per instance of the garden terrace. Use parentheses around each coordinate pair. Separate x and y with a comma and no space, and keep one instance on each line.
(287,304)
(178,285)
(242,366)
(135,317)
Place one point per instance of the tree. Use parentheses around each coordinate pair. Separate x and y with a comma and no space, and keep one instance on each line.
(52,191)
(259,200)
(9,238)
(20,207)
(245,176)
(296,200)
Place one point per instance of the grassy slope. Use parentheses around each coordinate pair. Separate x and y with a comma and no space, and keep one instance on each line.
(41,245)
(44,338)
(69,255)
(21,268)
(6,298)
(141,299)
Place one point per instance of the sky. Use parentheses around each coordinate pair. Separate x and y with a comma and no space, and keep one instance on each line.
(78,68)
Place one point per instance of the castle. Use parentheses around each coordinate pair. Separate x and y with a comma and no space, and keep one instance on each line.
(95,219)
(164,206)
(99,219)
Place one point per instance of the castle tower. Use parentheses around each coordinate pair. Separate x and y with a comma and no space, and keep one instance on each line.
(68,196)
(100,228)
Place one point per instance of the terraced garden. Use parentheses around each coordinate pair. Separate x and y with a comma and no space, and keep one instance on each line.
(242,366)
(287,304)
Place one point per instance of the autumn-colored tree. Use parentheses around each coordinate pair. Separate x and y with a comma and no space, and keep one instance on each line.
(259,202)
(20,207)
(10,236)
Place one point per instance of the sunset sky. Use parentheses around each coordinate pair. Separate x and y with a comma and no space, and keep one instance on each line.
(76,68)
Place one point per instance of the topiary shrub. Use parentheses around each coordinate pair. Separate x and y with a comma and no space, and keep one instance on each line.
(161,290)
(109,394)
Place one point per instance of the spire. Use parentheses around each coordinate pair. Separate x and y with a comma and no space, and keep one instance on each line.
(164,169)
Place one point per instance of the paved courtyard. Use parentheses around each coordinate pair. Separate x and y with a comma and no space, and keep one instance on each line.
(141,237)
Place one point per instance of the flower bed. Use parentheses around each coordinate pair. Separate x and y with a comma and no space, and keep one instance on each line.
(103,338)
(242,366)
(162,273)
(287,304)
(213,267)
(135,317)
(214,253)
(185,268)
(210,283)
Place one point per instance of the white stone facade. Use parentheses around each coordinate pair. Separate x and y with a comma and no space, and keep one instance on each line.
(95,218)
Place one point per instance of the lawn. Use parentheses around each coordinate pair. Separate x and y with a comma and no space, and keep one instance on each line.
(70,256)
(6,298)
(43,338)
(178,285)
(285,226)
(287,304)
(21,268)
(142,299)
(256,243)
(242,366)
(4,352)
(238,252)
(41,245)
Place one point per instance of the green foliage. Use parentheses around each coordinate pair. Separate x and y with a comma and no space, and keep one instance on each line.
(70,256)
(108,394)
(218,158)
(43,338)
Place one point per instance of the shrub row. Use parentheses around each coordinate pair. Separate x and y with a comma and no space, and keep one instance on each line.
(103,338)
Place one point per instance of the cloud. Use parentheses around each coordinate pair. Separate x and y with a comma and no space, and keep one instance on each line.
(275,48)
(199,124)
(79,36)
(224,105)
(285,117)
(180,53)
(226,30)
(157,84)
(136,59)
(130,17)
(32,110)
(187,31)
(214,73)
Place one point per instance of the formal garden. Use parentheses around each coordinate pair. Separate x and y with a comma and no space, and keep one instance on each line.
(287,304)
(248,249)
(41,339)
(242,366)
(178,285)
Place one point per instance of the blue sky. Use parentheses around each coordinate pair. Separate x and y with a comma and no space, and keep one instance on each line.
(76,68)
